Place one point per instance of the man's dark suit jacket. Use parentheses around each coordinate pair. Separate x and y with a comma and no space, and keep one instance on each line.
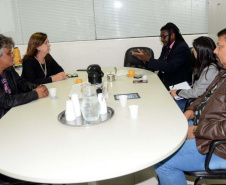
(176,68)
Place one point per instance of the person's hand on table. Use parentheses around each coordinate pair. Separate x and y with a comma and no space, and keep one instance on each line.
(59,76)
(141,55)
(191,132)
(42,91)
(173,92)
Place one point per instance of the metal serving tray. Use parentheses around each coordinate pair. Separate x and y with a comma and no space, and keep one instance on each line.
(80,122)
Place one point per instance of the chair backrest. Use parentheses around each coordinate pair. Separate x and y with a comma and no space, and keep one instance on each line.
(132,61)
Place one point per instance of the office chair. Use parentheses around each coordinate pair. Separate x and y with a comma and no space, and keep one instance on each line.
(5,180)
(209,174)
(132,61)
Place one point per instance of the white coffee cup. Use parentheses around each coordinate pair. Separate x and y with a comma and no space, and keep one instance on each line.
(123,100)
(144,77)
(52,92)
(70,112)
(76,104)
(133,111)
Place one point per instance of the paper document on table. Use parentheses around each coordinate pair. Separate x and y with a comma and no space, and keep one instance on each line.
(182,85)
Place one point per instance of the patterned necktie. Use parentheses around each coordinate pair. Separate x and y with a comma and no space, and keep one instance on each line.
(168,49)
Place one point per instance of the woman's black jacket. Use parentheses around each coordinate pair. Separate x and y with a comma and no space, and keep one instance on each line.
(21,91)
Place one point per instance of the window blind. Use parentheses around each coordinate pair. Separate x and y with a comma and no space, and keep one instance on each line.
(62,20)
(140,18)
(75,20)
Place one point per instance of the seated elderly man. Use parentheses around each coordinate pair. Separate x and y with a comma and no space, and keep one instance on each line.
(14,90)
(209,115)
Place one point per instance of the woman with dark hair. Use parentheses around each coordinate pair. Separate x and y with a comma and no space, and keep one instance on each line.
(174,61)
(206,69)
(38,65)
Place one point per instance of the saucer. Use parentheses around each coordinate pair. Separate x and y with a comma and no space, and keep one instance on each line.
(131,75)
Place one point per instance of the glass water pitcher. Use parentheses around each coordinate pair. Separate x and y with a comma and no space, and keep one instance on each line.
(90,104)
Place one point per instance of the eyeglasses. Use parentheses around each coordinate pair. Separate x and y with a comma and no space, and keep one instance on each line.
(72,75)
(163,37)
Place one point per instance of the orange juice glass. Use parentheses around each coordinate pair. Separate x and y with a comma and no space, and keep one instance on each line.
(78,81)
(131,72)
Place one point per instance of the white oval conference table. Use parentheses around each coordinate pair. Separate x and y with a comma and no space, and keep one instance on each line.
(36,147)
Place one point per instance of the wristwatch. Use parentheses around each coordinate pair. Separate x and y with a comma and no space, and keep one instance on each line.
(194,130)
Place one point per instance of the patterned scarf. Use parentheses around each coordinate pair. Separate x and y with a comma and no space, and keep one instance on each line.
(5,83)
(202,105)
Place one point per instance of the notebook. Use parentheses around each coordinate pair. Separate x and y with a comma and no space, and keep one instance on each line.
(182,85)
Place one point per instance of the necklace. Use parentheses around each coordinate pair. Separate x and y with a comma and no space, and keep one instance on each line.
(44,71)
